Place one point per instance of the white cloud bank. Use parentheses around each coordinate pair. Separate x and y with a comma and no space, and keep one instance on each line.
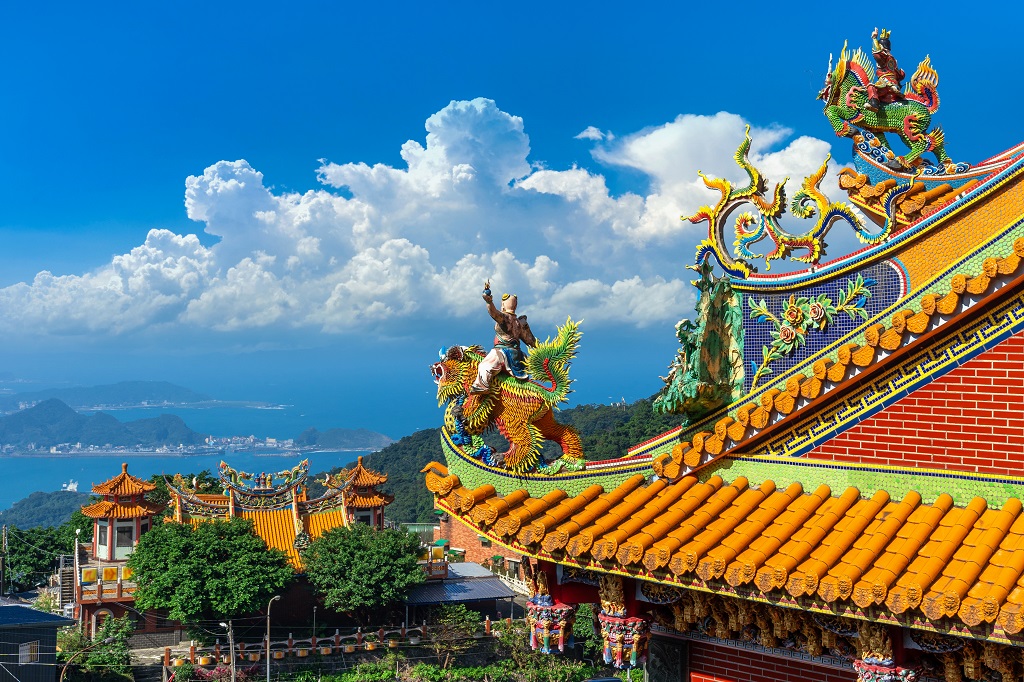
(467,206)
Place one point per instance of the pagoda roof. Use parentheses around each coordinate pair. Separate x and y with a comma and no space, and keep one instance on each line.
(358,476)
(105,509)
(368,500)
(124,484)
(925,562)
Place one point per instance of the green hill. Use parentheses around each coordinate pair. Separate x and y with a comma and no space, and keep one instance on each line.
(606,430)
(44,509)
(343,439)
(52,422)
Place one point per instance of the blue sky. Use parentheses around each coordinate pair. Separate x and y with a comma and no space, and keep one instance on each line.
(335,244)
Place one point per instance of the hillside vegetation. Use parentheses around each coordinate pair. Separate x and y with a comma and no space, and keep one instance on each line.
(343,439)
(52,422)
(44,509)
(606,430)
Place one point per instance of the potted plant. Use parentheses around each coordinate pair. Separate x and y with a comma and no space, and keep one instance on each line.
(326,649)
(207,659)
(371,642)
(350,647)
(393,641)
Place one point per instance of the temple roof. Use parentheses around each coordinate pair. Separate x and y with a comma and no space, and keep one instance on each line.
(358,476)
(123,484)
(832,550)
(943,313)
(105,509)
(278,530)
(368,500)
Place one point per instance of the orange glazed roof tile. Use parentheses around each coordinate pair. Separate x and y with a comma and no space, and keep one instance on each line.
(104,509)
(123,484)
(368,500)
(361,476)
(931,561)
(277,528)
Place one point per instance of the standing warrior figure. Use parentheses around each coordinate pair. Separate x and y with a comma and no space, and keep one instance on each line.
(889,75)
(509,330)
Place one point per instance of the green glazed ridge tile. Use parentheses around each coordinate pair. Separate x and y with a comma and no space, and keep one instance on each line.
(868,479)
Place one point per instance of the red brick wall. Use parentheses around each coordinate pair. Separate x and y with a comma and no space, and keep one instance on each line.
(970,419)
(461,536)
(712,663)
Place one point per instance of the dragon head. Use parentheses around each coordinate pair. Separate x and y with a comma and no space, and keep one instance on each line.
(454,372)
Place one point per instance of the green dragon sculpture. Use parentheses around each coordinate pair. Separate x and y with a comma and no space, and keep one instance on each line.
(707,371)
(845,96)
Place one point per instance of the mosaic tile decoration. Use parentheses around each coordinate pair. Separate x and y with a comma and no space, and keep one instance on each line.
(927,364)
(885,280)
(474,473)
(998,246)
(855,261)
(897,481)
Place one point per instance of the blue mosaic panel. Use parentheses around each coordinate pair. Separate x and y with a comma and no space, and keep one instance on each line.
(887,282)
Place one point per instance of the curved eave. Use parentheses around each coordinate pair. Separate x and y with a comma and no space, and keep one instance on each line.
(872,558)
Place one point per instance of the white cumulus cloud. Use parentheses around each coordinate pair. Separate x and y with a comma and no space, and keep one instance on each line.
(375,246)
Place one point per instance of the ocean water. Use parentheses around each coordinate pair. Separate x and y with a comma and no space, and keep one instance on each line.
(23,475)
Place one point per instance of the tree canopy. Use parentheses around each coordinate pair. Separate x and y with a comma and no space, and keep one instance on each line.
(360,569)
(215,570)
(32,553)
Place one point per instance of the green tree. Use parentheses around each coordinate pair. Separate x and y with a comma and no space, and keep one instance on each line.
(215,570)
(205,483)
(451,632)
(106,657)
(360,570)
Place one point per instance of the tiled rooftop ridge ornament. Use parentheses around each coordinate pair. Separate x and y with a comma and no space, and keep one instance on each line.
(707,371)
(750,229)
(511,391)
(861,96)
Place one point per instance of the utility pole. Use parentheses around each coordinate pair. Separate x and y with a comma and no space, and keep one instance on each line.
(231,646)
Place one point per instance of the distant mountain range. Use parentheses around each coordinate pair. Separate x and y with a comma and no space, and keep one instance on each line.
(49,417)
(123,393)
(53,422)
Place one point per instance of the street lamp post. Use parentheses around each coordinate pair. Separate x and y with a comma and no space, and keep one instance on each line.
(64,670)
(231,647)
(272,600)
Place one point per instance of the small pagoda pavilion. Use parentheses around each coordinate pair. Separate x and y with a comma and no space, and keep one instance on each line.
(361,500)
(103,583)
(121,517)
